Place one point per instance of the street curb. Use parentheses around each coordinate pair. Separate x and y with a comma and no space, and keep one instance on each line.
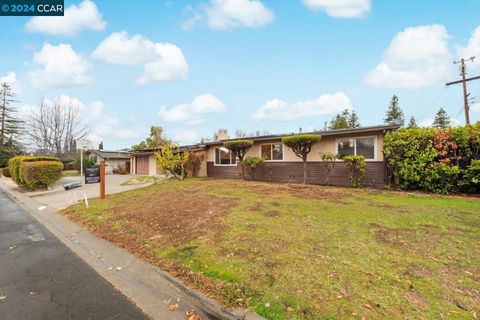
(143,283)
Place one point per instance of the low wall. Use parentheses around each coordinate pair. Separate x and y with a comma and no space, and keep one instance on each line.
(293,172)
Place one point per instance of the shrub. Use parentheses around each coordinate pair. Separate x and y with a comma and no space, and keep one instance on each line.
(6,172)
(253,163)
(239,148)
(14,165)
(435,160)
(328,159)
(356,169)
(471,177)
(301,145)
(170,158)
(41,173)
(87,163)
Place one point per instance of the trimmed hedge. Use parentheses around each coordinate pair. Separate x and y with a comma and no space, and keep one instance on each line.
(14,164)
(6,172)
(40,173)
(434,160)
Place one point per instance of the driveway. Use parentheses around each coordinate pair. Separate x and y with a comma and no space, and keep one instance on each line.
(57,198)
(41,278)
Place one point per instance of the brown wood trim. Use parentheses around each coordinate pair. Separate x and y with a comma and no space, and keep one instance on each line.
(290,171)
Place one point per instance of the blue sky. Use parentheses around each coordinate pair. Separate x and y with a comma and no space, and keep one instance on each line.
(195,66)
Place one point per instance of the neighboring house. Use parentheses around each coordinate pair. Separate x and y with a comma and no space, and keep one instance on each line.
(115,161)
(281,164)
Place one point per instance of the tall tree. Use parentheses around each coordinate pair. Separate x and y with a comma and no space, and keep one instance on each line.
(353,121)
(154,141)
(11,126)
(344,120)
(394,113)
(100,145)
(412,123)
(54,127)
(442,120)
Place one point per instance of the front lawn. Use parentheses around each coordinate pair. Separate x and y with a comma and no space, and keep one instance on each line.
(295,252)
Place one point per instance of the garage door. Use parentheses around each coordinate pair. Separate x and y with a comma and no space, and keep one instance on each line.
(142,165)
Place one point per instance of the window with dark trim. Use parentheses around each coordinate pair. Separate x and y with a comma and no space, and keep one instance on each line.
(223,156)
(272,151)
(364,146)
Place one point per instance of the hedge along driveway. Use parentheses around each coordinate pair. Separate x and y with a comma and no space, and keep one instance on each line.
(295,252)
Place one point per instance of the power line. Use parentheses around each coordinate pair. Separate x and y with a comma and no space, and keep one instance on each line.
(463,81)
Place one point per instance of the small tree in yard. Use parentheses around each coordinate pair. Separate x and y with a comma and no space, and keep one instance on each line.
(442,120)
(253,163)
(328,159)
(239,148)
(171,159)
(301,145)
(356,169)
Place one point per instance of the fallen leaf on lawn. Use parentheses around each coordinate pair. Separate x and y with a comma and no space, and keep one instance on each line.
(454,311)
(290,309)
(474,315)
(173,307)
(2,297)
(366,305)
(192,315)
(267,305)
(354,313)
(468,272)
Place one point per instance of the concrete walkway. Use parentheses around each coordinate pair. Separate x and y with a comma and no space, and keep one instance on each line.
(153,290)
(57,198)
(41,278)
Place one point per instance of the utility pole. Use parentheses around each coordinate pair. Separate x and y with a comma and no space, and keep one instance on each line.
(464,80)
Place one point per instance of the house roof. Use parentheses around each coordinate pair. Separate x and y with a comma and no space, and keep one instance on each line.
(110,154)
(334,132)
(202,146)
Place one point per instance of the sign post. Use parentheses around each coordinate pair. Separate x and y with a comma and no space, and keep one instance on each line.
(83,144)
(102,179)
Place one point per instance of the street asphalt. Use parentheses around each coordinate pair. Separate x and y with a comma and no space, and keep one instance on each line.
(40,278)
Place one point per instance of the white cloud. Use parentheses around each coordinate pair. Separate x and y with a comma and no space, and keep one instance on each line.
(340,8)
(126,134)
(472,49)
(475,107)
(162,61)
(60,66)
(417,57)
(76,18)
(186,137)
(229,14)
(327,104)
(11,79)
(193,112)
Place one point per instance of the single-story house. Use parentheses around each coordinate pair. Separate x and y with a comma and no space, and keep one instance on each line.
(281,164)
(115,161)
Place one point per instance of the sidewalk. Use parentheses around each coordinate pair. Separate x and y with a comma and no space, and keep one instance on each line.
(150,288)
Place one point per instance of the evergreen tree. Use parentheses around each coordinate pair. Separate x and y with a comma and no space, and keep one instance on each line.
(10,126)
(353,121)
(394,112)
(412,123)
(344,120)
(100,145)
(442,120)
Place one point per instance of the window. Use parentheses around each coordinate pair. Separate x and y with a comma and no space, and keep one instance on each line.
(272,151)
(364,146)
(223,156)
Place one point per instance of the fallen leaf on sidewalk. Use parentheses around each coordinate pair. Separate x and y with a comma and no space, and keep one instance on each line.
(167,301)
(12,247)
(173,307)
(192,315)
(2,297)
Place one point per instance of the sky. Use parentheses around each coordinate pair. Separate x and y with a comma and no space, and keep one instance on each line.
(193,67)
